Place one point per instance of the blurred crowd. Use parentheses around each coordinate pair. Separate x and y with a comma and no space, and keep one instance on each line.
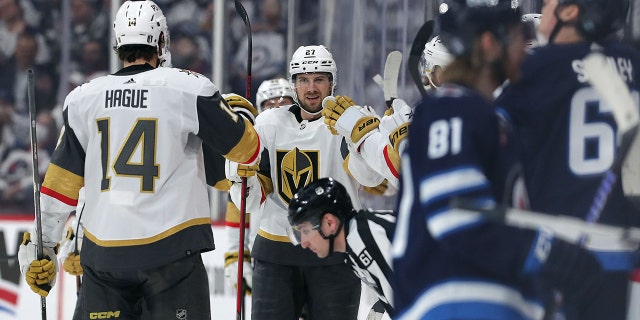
(32,36)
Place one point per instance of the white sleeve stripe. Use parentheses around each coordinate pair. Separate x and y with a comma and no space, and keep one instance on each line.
(469,296)
(400,239)
(444,184)
(449,221)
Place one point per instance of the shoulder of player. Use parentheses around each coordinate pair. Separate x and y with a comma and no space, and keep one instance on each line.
(86,89)
(273,116)
(187,80)
(453,101)
(376,216)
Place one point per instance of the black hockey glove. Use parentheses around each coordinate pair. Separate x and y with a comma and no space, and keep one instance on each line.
(574,271)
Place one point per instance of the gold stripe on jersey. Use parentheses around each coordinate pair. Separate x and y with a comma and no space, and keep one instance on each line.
(273,237)
(266,183)
(143,241)
(63,181)
(233,215)
(345,165)
(249,141)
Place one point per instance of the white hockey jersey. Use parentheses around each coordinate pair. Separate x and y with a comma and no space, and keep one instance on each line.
(135,141)
(299,152)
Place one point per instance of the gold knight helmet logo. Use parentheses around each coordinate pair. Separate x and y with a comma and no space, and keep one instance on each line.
(296,169)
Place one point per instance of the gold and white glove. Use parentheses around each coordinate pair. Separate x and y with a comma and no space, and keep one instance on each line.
(40,274)
(395,123)
(231,269)
(354,122)
(71,262)
(234,173)
(241,106)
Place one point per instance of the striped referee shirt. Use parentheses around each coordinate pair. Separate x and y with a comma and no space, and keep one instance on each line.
(368,247)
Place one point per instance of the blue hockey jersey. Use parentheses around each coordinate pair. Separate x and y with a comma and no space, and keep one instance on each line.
(567,136)
(448,265)
(567,139)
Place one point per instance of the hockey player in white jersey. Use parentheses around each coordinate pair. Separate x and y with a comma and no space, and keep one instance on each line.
(299,150)
(435,57)
(324,221)
(381,148)
(273,93)
(135,140)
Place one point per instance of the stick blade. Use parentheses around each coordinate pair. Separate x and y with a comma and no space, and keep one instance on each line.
(242,12)
(391,75)
(422,37)
(608,83)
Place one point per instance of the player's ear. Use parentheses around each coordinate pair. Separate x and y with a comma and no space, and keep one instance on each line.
(569,12)
(330,221)
(490,47)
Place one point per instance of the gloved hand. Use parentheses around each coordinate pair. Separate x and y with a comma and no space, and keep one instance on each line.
(40,274)
(235,171)
(353,122)
(569,268)
(383,189)
(231,269)
(241,106)
(71,262)
(395,123)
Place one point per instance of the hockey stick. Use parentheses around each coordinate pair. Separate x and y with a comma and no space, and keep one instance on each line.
(596,236)
(36,176)
(391,72)
(379,81)
(76,251)
(422,37)
(606,81)
(243,203)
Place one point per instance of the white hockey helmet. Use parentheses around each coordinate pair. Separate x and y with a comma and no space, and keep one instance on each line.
(273,88)
(434,54)
(142,23)
(531,22)
(312,59)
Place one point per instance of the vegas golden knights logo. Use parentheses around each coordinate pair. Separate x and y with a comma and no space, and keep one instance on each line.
(296,169)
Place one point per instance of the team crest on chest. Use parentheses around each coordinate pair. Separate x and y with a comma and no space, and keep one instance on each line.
(296,169)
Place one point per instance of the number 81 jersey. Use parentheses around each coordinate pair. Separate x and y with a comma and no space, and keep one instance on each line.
(135,141)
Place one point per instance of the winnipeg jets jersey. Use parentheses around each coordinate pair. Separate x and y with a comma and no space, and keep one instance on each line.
(568,135)
(297,152)
(569,140)
(134,140)
(449,266)
(368,247)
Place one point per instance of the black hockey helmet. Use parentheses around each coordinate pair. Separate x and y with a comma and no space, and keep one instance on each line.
(319,197)
(599,18)
(461,21)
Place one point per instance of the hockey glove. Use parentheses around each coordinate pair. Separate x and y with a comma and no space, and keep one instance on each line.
(231,269)
(395,123)
(241,106)
(71,263)
(353,122)
(40,274)
(569,268)
(235,171)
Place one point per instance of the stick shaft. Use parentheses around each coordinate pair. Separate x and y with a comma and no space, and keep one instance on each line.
(243,202)
(36,175)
